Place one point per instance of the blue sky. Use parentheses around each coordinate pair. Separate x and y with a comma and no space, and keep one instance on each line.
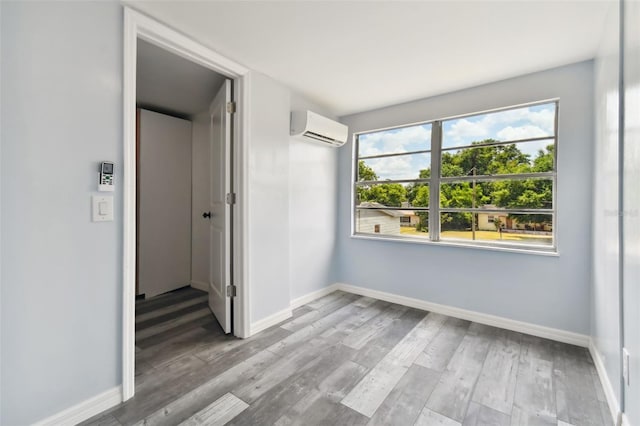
(521,123)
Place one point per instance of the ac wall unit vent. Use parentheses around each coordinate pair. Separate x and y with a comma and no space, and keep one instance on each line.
(309,125)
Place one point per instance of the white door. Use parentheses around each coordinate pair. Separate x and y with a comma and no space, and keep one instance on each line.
(220,210)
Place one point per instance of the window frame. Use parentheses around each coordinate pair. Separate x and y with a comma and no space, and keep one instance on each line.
(435,180)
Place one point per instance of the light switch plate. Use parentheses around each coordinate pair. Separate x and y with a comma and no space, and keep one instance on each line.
(104,214)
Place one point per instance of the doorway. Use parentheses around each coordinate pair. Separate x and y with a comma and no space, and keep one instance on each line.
(225,202)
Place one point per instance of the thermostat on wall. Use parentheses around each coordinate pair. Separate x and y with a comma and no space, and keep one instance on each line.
(106,177)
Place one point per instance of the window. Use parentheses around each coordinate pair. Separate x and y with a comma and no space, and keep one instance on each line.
(482,179)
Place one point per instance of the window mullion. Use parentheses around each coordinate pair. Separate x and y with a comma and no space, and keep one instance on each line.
(434,185)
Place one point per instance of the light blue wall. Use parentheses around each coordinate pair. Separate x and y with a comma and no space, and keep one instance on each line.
(605,322)
(549,291)
(313,187)
(268,247)
(61,273)
(292,202)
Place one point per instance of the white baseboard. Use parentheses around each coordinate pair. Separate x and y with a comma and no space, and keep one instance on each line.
(85,410)
(269,321)
(492,320)
(284,314)
(307,298)
(612,401)
(624,420)
(200,285)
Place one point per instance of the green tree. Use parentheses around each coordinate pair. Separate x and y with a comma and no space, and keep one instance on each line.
(365,172)
(421,199)
(387,194)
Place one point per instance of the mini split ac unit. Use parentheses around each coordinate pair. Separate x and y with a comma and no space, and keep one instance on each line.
(309,125)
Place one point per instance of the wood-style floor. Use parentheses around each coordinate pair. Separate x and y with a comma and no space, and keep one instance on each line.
(350,360)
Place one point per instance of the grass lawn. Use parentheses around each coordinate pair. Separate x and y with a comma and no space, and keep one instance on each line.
(482,235)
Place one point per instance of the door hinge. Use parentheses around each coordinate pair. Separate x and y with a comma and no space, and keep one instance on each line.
(231,198)
(231,107)
(231,291)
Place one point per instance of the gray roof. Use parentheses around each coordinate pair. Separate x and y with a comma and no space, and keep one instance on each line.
(377,206)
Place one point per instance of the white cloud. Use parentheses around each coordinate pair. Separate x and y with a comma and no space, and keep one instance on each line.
(521,132)
(544,119)
(392,167)
(400,167)
(464,131)
(397,140)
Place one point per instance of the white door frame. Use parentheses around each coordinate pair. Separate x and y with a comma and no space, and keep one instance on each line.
(137,25)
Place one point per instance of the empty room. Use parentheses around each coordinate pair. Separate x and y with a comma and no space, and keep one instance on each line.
(320,212)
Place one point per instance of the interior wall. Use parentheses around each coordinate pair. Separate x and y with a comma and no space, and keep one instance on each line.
(313,186)
(268,205)
(292,203)
(605,322)
(61,106)
(201,177)
(631,208)
(544,290)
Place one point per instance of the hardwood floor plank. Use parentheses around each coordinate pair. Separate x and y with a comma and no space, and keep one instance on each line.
(155,391)
(155,313)
(536,347)
(408,397)
(597,386)
(279,399)
(363,335)
(191,341)
(326,412)
(381,343)
(479,415)
(311,408)
(201,312)
(439,352)
(534,394)
(284,368)
(312,316)
(431,418)
(107,420)
(329,298)
(219,413)
(170,316)
(300,337)
(343,330)
(367,396)
(201,396)
(497,382)
(570,372)
(208,322)
(142,367)
(606,414)
(234,346)
(150,381)
(192,379)
(521,417)
(452,394)
(166,299)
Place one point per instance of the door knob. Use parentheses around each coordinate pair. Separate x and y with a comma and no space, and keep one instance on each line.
(206,215)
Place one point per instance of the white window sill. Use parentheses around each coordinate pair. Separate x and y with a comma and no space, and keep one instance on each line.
(534,250)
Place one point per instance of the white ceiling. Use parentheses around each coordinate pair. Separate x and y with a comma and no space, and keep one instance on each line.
(360,55)
(169,83)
